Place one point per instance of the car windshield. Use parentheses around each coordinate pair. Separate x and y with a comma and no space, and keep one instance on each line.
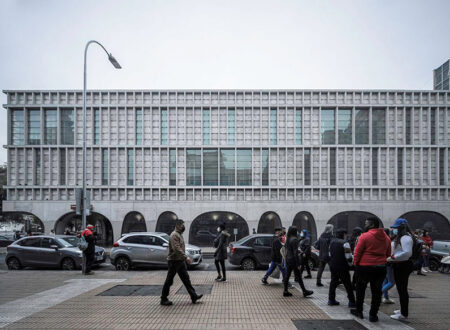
(242,240)
(70,241)
(165,237)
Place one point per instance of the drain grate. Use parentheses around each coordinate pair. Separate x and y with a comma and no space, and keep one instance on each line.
(200,289)
(328,324)
(133,290)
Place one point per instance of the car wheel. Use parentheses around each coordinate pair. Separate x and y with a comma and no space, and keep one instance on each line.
(68,264)
(123,263)
(434,265)
(14,264)
(248,264)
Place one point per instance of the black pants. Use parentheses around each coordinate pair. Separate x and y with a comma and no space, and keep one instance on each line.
(344,276)
(221,264)
(305,265)
(322,266)
(374,275)
(293,266)
(402,270)
(90,257)
(177,267)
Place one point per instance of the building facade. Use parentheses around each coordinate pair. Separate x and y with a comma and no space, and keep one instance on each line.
(254,159)
(441,77)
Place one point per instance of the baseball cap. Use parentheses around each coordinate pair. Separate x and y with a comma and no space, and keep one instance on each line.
(90,227)
(399,222)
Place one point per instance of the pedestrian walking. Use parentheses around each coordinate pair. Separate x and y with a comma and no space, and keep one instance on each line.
(428,244)
(371,252)
(323,245)
(402,247)
(305,252)
(220,255)
(340,259)
(357,231)
(389,281)
(293,263)
(276,257)
(89,252)
(177,261)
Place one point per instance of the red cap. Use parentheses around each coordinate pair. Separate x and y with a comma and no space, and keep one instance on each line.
(90,227)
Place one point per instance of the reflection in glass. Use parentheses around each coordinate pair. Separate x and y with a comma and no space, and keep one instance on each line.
(134,222)
(164,126)
(435,223)
(193,167)
(345,126)
(172,167)
(67,127)
(166,222)
(362,126)
(351,219)
(206,126)
(378,126)
(265,167)
(227,167)
(268,222)
(51,126)
(231,126)
(298,126)
(18,124)
(273,126)
(328,126)
(305,220)
(210,167)
(34,127)
(244,167)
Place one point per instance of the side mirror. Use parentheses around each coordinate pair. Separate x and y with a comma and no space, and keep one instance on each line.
(165,245)
(54,247)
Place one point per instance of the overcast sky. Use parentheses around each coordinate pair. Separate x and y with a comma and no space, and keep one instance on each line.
(222,44)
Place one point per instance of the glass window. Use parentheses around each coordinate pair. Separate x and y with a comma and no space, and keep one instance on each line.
(375,166)
(210,167)
(96,126)
(17,125)
(265,167)
(135,239)
(62,166)
(34,126)
(164,126)
(138,126)
(172,167)
(37,168)
(378,126)
(273,126)
(47,242)
(105,167)
(231,126)
(433,125)
(399,167)
(263,241)
(298,126)
(442,167)
(51,127)
(227,167)
(362,126)
(244,167)
(193,167)
(307,162)
(345,126)
(130,172)
(31,242)
(333,167)
(67,126)
(206,126)
(408,125)
(328,127)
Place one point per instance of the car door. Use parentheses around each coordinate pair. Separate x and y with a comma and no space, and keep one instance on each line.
(29,251)
(49,256)
(158,251)
(262,249)
(138,248)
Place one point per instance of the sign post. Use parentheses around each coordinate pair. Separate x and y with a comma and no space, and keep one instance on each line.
(235,231)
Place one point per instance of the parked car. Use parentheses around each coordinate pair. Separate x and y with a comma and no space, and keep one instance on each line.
(47,251)
(100,254)
(147,248)
(5,241)
(439,250)
(254,251)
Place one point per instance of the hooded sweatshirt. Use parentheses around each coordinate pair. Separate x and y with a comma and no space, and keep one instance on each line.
(373,248)
(323,244)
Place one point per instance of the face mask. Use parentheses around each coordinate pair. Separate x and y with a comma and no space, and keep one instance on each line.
(182,228)
(218,229)
(302,235)
(395,231)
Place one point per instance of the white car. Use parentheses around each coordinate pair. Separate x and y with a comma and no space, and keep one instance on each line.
(147,248)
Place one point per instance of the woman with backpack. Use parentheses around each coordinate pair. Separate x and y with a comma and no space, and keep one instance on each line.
(402,265)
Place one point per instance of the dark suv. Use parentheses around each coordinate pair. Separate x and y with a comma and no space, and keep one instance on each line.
(251,251)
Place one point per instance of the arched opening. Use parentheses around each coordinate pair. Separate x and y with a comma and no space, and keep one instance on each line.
(305,220)
(435,223)
(70,224)
(204,227)
(351,219)
(166,222)
(268,222)
(133,222)
(23,222)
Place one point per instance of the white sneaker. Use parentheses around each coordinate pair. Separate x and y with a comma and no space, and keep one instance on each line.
(429,270)
(397,311)
(388,301)
(424,270)
(398,317)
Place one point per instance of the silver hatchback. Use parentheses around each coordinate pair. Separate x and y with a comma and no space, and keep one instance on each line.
(147,248)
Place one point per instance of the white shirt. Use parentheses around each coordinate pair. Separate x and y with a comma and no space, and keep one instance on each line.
(403,251)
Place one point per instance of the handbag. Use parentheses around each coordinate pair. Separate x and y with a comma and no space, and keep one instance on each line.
(82,244)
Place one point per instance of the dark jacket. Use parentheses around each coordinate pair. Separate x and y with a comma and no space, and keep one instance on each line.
(323,246)
(338,260)
(292,253)
(221,243)
(89,237)
(276,247)
(177,250)
(305,246)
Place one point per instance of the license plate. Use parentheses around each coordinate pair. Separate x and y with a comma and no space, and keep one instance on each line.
(99,258)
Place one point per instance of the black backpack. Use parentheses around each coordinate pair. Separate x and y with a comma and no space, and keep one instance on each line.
(417,249)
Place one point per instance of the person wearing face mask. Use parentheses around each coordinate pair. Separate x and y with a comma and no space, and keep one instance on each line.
(402,247)
(371,251)
(276,257)
(428,244)
(177,261)
(323,245)
(305,252)
(220,255)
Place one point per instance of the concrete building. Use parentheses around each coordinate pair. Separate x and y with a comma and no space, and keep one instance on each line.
(441,77)
(253,159)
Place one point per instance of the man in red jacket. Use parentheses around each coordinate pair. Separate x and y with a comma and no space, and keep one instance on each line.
(371,252)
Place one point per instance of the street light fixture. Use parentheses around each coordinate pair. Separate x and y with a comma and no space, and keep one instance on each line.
(117,66)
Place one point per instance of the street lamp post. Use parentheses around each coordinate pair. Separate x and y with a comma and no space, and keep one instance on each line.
(117,66)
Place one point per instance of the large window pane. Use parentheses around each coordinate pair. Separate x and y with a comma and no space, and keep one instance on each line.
(51,127)
(105,167)
(172,167)
(138,126)
(130,180)
(307,165)
(265,167)
(378,126)
(206,126)
(408,125)
(227,167)
(433,125)
(400,167)
(37,167)
(244,167)
(273,126)
(17,125)
(362,126)
(375,166)
(34,126)
(345,126)
(96,126)
(231,126)
(164,126)
(442,162)
(193,167)
(210,167)
(62,166)
(298,126)
(67,127)
(333,167)
(328,126)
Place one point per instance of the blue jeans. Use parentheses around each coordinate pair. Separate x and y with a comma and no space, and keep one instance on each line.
(389,281)
(272,267)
